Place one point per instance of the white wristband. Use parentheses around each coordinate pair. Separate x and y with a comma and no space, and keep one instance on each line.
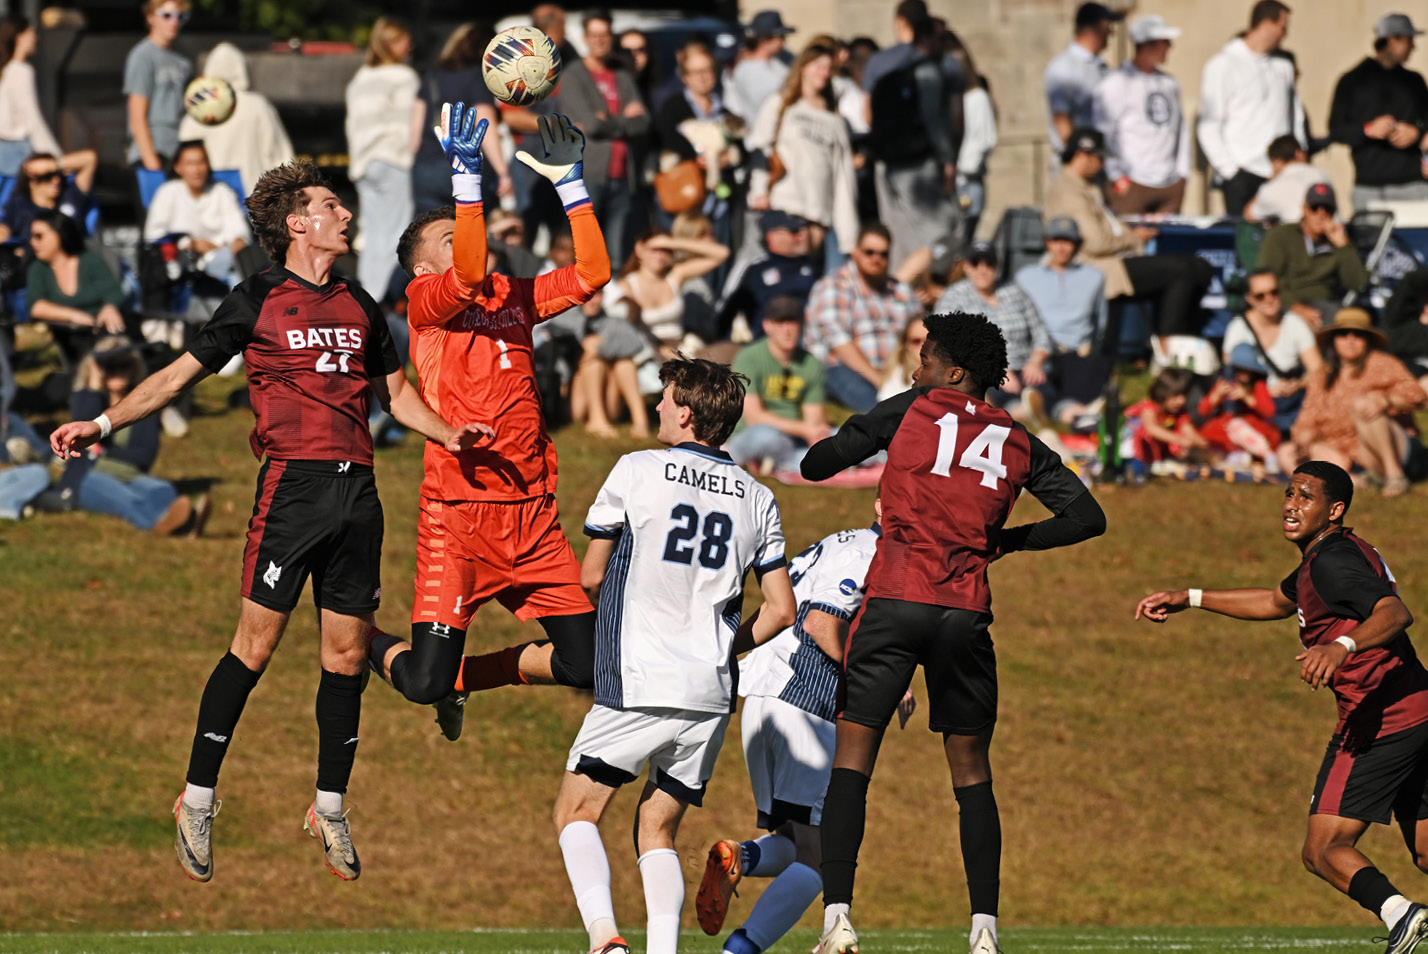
(466,186)
(573,194)
(1195,597)
(1348,643)
(106,428)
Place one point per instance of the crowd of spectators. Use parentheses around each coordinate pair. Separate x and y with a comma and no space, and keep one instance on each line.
(795,211)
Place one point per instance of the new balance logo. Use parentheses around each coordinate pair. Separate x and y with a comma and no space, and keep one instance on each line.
(273,573)
(342,467)
(214,737)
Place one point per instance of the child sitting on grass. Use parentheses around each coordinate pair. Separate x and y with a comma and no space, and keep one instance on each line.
(1162,436)
(1238,412)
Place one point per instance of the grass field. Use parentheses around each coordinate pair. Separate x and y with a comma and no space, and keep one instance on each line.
(1146,776)
(1013,941)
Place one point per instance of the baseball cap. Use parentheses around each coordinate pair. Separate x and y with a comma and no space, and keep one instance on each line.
(1150,28)
(778,219)
(979,252)
(1321,196)
(767,23)
(1090,14)
(1246,357)
(1395,24)
(1062,227)
(1084,139)
(783,308)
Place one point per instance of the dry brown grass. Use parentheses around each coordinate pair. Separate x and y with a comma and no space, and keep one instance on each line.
(1145,775)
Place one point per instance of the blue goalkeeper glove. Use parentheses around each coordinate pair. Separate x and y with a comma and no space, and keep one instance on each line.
(460,136)
(562,159)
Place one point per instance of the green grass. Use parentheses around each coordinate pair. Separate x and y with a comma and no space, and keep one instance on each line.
(1013,941)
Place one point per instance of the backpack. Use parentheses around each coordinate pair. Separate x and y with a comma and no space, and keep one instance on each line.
(898,131)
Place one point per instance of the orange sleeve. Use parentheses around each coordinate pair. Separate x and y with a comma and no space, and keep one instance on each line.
(468,247)
(575,284)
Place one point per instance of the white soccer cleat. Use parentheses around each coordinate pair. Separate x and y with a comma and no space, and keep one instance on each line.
(839,939)
(193,841)
(336,835)
(1409,932)
(985,943)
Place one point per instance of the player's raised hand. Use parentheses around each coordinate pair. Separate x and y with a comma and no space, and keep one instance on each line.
(465,438)
(1317,664)
(563,151)
(68,440)
(460,135)
(1157,607)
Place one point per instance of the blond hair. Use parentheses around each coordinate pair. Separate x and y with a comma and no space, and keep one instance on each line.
(384,33)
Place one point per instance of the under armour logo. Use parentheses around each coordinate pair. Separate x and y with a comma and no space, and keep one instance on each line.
(441,629)
(342,467)
(216,738)
(971,408)
(274,572)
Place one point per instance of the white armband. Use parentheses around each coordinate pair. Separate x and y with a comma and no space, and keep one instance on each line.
(1348,643)
(466,186)
(106,428)
(1195,597)
(573,194)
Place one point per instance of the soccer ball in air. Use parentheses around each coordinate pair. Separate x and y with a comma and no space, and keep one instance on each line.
(521,66)
(209,100)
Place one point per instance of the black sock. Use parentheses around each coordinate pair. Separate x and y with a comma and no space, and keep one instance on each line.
(981,830)
(223,699)
(377,651)
(845,812)
(1371,888)
(339,711)
(427,674)
(572,659)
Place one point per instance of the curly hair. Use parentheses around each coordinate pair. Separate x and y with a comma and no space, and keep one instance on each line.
(713,391)
(971,342)
(280,192)
(1337,483)
(410,242)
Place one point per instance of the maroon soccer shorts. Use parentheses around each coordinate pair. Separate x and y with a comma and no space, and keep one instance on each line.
(1386,777)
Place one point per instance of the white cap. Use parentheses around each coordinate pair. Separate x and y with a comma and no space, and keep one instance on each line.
(1147,29)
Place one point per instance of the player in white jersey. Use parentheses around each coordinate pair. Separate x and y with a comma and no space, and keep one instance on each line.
(674,533)
(790,685)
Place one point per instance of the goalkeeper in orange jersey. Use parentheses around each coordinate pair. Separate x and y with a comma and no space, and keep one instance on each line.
(488,526)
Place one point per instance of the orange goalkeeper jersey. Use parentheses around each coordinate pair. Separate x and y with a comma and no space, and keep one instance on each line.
(471,344)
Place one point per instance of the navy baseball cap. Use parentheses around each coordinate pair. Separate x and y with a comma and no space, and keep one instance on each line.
(1321,196)
(979,252)
(777,219)
(767,23)
(1084,139)
(1090,14)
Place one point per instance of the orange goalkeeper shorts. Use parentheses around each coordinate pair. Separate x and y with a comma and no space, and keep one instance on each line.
(469,552)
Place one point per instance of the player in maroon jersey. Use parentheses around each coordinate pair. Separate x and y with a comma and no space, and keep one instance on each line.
(955,467)
(316,346)
(1354,633)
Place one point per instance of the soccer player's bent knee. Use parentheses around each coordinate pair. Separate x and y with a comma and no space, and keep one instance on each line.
(426,687)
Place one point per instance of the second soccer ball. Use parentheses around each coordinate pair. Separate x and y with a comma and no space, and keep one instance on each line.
(521,66)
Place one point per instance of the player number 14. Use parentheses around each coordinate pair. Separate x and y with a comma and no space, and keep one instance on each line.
(983,454)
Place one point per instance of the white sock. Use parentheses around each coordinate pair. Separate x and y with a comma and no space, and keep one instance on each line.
(830,914)
(329,803)
(197,798)
(776,853)
(782,904)
(664,899)
(980,921)
(1394,909)
(589,872)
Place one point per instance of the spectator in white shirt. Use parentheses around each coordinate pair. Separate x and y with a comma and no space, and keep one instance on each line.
(208,213)
(1281,199)
(1137,109)
(979,137)
(1072,75)
(761,72)
(23,130)
(1247,100)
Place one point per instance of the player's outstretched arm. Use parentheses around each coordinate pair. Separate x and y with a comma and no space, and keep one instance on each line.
(1388,619)
(1255,604)
(860,437)
(562,163)
(154,393)
(403,402)
(460,134)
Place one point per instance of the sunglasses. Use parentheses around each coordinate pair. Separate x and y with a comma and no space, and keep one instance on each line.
(1261,296)
(873,252)
(636,49)
(180,16)
(50,176)
(981,263)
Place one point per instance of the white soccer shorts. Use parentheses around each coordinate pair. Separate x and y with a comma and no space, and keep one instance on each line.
(790,757)
(680,746)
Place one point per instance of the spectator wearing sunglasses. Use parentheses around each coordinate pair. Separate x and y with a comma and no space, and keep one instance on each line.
(46,188)
(154,79)
(1283,339)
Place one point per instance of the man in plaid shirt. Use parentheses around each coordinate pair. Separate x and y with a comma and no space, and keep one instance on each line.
(855,315)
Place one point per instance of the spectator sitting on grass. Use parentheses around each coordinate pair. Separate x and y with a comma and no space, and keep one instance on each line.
(783,405)
(787,269)
(1314,260)
(1238,412)
(1359,407)
(1162,435)
(70,288)
(1282,339)
(113,476)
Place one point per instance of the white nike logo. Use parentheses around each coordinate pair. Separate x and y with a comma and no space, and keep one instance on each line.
(216,738)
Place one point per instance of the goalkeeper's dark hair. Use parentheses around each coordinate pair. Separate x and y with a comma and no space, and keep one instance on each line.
(410,242)
(1337,482)
(971,342)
